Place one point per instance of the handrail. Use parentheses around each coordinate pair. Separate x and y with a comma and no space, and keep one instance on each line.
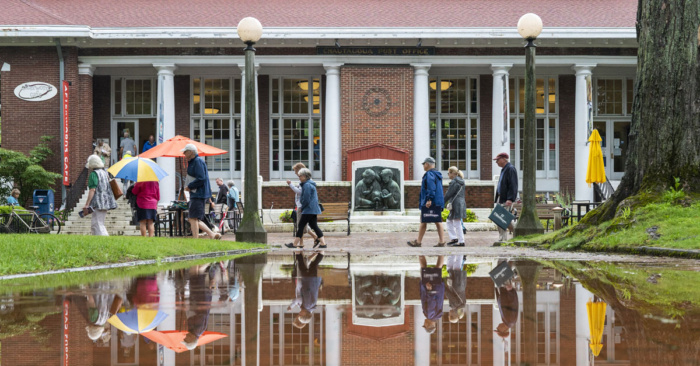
(76,190)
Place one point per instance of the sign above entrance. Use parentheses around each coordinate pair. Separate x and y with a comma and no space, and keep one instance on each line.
(375,51)
(35,91)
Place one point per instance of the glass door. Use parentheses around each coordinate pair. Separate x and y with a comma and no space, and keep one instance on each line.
(118,129)
(615,136)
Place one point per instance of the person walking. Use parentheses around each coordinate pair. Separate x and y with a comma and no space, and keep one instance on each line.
(151,143)
(200,192)
(232,197)
(296,188)
(100,196)
(127,144)
(12,200)
(506,189)
(309,210)
(103,150)
(457,206)
(147,197)
(431,202)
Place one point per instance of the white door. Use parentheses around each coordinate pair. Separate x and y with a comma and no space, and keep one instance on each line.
(118,128)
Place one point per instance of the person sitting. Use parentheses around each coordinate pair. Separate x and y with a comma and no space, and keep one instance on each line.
(13,199)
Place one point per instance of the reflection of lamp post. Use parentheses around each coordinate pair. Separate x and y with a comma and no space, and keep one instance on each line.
(529,27)
(251,229)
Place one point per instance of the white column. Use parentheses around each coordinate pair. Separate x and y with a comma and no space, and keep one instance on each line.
(499,86)
(332,145)
(583,332)
(421,119)
(333,335)
(166,114)
(421,338)
(583,192)
(166,289)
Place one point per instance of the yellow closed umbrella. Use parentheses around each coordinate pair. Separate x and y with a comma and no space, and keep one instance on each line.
(596,323)
(596,165)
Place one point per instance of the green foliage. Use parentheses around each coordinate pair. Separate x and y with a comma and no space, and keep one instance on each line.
(7,209)
(471,216)
(564,199)
(626,213)
(675,192)
(24,172)
(286,216)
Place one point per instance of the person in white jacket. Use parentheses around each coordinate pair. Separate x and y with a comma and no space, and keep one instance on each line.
(296,187)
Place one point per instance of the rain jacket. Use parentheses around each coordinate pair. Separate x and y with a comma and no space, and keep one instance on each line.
(199,187)
(309,198)
(455,194)
(507,189)
(431,189)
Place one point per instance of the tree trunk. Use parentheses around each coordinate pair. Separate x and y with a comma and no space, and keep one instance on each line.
(665,131)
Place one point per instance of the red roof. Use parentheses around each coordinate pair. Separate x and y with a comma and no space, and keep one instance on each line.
(318,13)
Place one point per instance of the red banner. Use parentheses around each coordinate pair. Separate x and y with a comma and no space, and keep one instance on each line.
(64,90)
(65,332)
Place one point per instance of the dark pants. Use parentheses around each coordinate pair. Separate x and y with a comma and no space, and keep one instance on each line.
(311,221)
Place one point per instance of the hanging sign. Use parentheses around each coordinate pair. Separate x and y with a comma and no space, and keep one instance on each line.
(506,110)
(64,344)
(66,120)
(35,91)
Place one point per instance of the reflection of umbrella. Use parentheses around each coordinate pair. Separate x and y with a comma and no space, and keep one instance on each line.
(171,148)
(596,166)
(139,320)
(596,323)
(137,170)
(172,338)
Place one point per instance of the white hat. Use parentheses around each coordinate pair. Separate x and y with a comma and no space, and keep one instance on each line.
(189,147)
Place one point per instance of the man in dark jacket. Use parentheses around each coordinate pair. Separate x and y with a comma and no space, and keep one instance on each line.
(200,191)
(506,189)
(432,200)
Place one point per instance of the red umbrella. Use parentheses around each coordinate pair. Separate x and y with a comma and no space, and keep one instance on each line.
(171,148)
(173,338)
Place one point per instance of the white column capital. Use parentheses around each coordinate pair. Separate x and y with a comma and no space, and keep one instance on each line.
(86,69)
(583,69)
(256,67)
(421,69)
(332,67)
(501,69)
(167,69)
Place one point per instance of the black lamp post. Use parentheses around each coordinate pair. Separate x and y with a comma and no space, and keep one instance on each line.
(251,229)
(529,27)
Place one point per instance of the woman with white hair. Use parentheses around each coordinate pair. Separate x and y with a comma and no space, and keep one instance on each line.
(310,209)
(100,197)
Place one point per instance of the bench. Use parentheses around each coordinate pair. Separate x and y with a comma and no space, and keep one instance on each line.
(544,212)
(333,212)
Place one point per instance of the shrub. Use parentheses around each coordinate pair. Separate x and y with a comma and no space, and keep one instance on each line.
(471,216)
(286,216)
(25,172)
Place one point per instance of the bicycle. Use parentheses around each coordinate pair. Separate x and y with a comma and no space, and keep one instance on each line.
(27,221)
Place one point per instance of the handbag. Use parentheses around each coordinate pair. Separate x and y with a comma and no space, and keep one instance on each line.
(501,216)
(449,205)
(116,189)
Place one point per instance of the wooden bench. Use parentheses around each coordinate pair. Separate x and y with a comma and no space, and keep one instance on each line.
(544,212)
(333,212)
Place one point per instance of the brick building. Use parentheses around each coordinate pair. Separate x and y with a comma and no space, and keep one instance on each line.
(330,77)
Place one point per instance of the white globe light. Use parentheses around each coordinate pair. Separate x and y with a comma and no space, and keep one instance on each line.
(530,26)
(250,30)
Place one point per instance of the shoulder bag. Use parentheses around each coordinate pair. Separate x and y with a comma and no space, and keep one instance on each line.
(116,189)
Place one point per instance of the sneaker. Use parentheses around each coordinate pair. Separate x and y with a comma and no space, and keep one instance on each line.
(452,242)
(414,243)
(440,244)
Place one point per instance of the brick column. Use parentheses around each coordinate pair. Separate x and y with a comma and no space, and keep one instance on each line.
(81,128)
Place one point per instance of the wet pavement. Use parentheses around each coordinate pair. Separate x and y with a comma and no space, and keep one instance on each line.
(380,304)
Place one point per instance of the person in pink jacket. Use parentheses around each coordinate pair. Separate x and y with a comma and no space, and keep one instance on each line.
(147,197)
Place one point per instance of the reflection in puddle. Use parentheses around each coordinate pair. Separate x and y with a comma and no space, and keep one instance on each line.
(316,309)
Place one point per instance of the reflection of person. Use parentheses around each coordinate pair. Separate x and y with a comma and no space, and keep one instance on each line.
(14,195)
(147,197)
(455,195)
(199,305)
(296,188)
(103,151)
(432,292)
(307,285)
(456,286)
(200,192)
(100,196)
(368,190)
(506,189)
(127,144)
(391,193)
(101,301)
(309,210)
(509,306)
(431,202)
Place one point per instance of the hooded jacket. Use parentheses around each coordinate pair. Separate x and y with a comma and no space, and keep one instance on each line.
(455,194)
(309,198)
(431,189)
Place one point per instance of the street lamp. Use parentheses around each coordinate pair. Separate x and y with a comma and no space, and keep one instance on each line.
(251,229)
(529,27)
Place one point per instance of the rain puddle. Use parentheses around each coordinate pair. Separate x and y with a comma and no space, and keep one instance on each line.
(322,309)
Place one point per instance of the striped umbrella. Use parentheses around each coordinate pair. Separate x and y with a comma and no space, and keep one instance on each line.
(137,320)
(137,170)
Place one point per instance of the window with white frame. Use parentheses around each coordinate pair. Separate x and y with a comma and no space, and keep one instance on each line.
(290,345)
(614,96)
(216,120)
(458,343)
(547,125)
(454,124)
(295,126)
(133,97)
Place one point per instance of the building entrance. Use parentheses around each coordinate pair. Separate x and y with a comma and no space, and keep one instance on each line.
(615,144)
(139,130)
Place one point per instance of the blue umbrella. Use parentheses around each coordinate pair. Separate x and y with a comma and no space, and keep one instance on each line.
(138,170)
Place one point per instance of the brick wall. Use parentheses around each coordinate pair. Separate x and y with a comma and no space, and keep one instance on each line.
(283,197)
(567,329)
(182,105)
(101,109)
(475,196)
(361,351)
(394,126)
(567,146)
(486,119)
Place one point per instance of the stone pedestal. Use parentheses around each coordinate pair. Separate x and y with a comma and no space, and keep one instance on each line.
(378,185)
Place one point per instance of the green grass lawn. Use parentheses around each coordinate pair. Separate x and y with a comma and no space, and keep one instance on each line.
(30,253)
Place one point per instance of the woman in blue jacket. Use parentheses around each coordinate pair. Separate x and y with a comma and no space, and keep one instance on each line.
(309,211)
(432,201)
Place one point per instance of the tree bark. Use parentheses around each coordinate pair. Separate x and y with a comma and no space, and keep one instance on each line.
(665,130)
